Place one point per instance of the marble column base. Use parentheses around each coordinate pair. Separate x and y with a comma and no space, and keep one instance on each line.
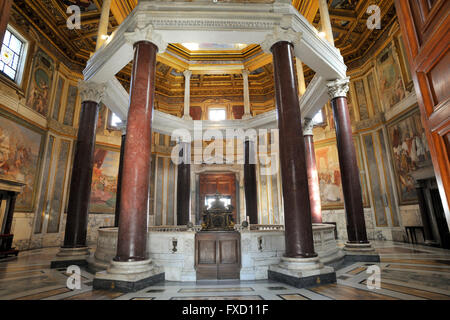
(302,272)
(94,265)
(70,256)
(186,117)
(128,276)
(360,252)
(246,116)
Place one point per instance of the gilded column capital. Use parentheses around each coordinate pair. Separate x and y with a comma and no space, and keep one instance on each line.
(280,34)
(338,87)
(91,91)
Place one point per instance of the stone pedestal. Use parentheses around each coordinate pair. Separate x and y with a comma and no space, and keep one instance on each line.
(302,272)
(128,276)
(360,252)
(70,256)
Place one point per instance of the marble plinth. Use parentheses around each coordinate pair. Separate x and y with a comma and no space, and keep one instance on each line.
(70,256)
(360,252)
(302,272)
(128,276)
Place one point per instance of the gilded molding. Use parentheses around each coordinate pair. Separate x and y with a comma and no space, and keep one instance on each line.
(338,87)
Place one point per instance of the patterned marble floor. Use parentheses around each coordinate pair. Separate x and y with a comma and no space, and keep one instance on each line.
(408,272)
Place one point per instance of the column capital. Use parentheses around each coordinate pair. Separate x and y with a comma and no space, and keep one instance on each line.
(338,87)
(245,72)
(146,33)
(91,91)
(187,73)
(280,34)
(308,126)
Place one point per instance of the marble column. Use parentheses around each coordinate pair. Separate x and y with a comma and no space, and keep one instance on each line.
(131,269)
(123,128)
(74,249)
(250,188)
(247,112)
(103,24)
(300,266)
(313,177)
(5,11)
(299,239)
(133,223)
(184,185)
(187,94)
(351,185)
(325,21)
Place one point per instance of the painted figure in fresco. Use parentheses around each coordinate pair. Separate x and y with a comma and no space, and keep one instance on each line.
(39,93)
(104,181)
(410,153)
(4,168)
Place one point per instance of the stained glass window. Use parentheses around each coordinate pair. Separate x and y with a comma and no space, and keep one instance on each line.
(11,54)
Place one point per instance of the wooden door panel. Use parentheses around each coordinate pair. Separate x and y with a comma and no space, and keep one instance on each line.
(228,252)
(207,252)
(427,16)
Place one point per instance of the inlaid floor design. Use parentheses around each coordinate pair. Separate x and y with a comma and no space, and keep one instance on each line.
(408,272)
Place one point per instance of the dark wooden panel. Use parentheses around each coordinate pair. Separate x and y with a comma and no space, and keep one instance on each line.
(207,251)
(228,251)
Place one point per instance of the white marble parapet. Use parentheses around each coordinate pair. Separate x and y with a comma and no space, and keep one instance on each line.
(173,249)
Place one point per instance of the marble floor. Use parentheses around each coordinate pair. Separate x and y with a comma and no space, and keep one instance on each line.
(408,272)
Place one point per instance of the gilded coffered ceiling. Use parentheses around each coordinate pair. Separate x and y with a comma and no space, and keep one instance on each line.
(216,68)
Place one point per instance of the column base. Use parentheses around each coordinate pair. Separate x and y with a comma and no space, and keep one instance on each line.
(302,272)
(186,117)
(128,276)
(432,243)
(70,256)
(246,116)
(360,252)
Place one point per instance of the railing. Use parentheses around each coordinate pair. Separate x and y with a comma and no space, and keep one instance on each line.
(266,227)
(173,228)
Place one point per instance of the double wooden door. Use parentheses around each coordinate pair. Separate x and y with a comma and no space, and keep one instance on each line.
(425,26)
(218,255)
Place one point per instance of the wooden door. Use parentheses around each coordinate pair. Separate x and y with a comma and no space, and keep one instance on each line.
(425,27)
(224,183)
(218,255)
